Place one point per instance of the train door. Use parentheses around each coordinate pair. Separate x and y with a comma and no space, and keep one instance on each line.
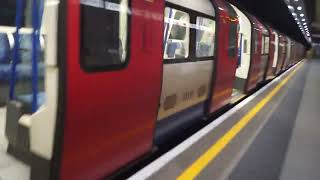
(226,64)
(242,72)
(269,73)
(265,53)
(255,73)
(188,58)
(112,84)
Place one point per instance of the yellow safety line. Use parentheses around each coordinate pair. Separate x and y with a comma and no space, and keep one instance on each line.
(194,169)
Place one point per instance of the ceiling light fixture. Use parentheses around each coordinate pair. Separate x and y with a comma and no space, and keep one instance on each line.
(290,7)
(299,8)
(301,15)
(303,19)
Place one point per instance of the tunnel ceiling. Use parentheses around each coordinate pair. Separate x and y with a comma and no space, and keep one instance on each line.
(277,14)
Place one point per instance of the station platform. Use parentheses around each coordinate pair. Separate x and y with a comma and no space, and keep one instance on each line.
(272,134)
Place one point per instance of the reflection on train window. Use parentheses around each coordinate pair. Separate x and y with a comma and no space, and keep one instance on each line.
(104,35)
(255,41)
(262,44)
(266,44)
(176,34)
(232,48)
(205,37)
(245,46)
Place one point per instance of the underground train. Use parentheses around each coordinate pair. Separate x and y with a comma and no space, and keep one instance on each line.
(119,77)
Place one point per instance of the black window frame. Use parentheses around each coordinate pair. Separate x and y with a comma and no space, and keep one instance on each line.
(109,67)
(193,14)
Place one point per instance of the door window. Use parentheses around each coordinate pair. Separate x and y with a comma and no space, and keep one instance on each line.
(104,34)
(205,37)
(176,34)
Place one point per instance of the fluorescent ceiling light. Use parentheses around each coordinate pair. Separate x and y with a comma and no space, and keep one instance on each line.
(299,8)
(301,15)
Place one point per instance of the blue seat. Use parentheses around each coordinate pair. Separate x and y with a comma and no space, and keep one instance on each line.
(171,49)
(4,49)
(5,72)
(24,66)
(28,98)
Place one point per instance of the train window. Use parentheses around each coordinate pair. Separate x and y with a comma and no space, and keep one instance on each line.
(176,34)
(262,45)
(232,48)
(255,41)
(205,37)
(245,46)
(266,44)
(104,34)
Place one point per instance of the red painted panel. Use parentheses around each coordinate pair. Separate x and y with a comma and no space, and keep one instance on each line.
(255,73)
(110,116)
(224,75)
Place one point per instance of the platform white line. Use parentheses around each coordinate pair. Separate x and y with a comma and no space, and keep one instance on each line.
(157,164)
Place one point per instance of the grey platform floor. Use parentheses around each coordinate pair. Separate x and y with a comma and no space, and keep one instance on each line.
(281,142)
(288,147)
